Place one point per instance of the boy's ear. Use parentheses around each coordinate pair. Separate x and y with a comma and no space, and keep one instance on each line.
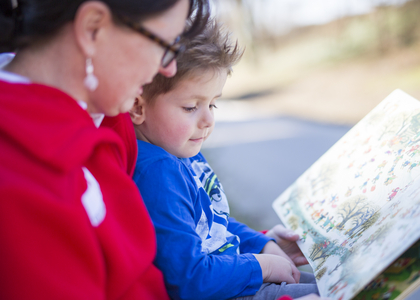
(137,112)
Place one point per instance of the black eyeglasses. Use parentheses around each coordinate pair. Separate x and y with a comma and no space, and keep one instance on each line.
(171,50)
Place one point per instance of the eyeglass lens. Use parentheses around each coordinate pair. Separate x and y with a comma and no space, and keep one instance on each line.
(168,57)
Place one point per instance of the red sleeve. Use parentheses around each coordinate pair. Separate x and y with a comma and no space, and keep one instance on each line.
(286,297)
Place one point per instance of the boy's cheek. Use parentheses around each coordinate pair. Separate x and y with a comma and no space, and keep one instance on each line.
(210,130)
(177,133)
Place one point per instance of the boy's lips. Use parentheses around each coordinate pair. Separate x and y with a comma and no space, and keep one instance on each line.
(197,140)
(206,133)
(200,139)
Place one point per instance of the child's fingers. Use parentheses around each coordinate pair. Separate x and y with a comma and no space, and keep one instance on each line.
(289,279)
(300,261)
(285,233)
(292,275)
(295,274)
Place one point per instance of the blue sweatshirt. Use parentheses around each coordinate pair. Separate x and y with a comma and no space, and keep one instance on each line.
(202,252)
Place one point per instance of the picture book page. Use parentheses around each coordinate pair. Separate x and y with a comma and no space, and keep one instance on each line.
(357,208)
(400,279)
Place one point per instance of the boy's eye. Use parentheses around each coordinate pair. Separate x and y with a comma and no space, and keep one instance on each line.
(213,106)
(190,109)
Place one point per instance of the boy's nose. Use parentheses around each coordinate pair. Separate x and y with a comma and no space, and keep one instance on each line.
(207,119)
(169,71)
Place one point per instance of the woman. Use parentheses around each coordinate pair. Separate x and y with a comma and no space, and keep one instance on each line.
(72,223)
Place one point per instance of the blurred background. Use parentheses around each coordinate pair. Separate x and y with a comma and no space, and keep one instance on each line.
(311,70)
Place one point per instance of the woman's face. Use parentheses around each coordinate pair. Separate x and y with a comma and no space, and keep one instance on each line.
(126,60)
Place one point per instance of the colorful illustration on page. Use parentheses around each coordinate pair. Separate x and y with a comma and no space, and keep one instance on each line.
(358,207)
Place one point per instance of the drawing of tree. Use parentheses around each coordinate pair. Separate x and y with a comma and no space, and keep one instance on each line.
(366,225)
(325,179)
(410,127)
(359,222)
(296,194)
(378,236)
(405,124)
(375,119)
(355,208)
(387,129)
(415,128)
(343,258)
(293,222)
(323,250)
(415,122)
(320,265)
(321,273)
(343,277)
(396,127)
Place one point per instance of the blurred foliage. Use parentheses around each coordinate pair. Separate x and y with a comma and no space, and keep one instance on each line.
(386,28)
(386,41)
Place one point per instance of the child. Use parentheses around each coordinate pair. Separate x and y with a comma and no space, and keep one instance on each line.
(203,253)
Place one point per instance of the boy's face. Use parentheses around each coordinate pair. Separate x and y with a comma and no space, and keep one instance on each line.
(180,120)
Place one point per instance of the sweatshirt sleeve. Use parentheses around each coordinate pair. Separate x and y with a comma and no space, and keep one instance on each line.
(251,241)
(170,196)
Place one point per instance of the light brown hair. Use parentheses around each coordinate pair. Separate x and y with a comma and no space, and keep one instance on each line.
(212,50)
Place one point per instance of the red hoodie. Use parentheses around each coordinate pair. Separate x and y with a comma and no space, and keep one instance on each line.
(72,223)
(123,126)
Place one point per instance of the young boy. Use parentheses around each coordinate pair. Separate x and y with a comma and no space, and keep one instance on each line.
(203,253)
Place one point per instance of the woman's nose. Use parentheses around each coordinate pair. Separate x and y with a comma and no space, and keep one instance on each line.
(169,71)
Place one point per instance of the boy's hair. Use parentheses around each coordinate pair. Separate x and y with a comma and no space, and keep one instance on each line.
(210,50)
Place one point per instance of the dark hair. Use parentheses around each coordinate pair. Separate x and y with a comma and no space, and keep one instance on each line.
(32,20)
(212,50)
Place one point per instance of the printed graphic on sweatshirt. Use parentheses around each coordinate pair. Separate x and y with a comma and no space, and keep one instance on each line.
(215,236)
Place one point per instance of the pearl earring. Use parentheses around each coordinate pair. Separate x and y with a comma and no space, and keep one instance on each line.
(91,81)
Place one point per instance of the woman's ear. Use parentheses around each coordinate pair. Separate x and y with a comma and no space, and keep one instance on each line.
(137,112)
(90,19)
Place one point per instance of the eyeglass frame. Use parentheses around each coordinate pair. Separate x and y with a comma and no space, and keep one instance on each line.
(175,48)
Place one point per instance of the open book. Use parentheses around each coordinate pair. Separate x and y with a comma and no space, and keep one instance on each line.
(357,208)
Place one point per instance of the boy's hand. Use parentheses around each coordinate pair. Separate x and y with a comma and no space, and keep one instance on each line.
(286,239)
(272,248)
(276,269)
